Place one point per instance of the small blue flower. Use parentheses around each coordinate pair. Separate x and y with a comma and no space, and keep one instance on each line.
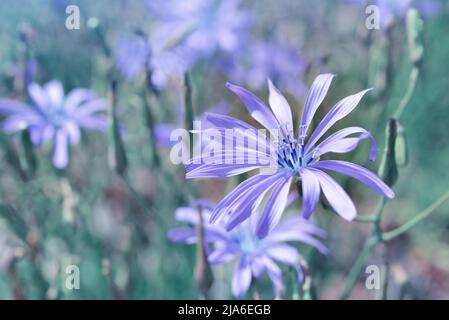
(53,116)
(254,256)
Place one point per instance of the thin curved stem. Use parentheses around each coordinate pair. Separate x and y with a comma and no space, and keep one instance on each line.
(408,94)
(418,218)
(370,244)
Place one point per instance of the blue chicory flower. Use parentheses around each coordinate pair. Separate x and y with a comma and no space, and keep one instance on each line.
(254,256)
(136,53)
(295,156)
(53,116)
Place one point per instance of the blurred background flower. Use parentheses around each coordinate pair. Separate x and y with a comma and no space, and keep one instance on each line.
(254,256)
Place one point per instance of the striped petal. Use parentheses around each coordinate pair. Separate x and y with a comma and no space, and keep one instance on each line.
(357,172)
(315,97)
(274,207)
(337,197)
(338,111)
(339,143)
(258,110)
(280,107)
(310,192)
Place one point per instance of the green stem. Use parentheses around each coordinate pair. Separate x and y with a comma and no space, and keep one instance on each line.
(294,283)
(408,94)
(418,218)
(370,244)
(307,282)
(149,101)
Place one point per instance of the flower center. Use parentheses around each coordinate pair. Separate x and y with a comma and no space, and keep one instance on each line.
(57,117)
(291,153)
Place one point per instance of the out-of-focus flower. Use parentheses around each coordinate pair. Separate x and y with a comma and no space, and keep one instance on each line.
(208,25)
(263,60)
(185,31)
(254,256)
(135,54)
(392,9)
(289,157)
(53,116)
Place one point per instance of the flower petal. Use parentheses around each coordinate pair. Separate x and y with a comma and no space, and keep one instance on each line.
(38,96)
(283,253)
(90,107)
(220,255)
(315,97)
(76,97)
(94,123)
(241,278)
(219,171)
(310,192)
(247,195)
(227,122)
(235,194)
(60,149)
(357,172)
(55,93)
(337,197)
(73,132)
(338,142)
(258,110)
(274,207)
(338,111)
(187,214)
(183,235)
(8,106)
(297,229)
(274,272)
(280,107)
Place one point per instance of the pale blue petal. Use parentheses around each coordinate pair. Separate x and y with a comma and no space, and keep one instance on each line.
(357,172)
(338,111)
(280,107)
(339,143)
(310,192)
(337,197)
(315,97)
(274,207)
(241,280)
(258,110)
